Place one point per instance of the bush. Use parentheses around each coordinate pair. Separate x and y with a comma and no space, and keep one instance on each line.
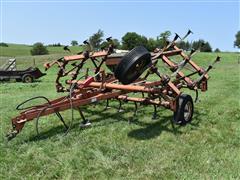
(217,50)
(39,49)
(3,44)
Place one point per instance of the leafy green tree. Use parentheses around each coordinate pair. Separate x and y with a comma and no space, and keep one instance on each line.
(96,39)
(163,38)
(182,45)
(197,44)
(217,50)
(39,49)
(203,45)
(116,43)
(187,46)
(151,44)
(105,44)
(237,41)
(132,39)
(206,47)
(3,44)
(74,43)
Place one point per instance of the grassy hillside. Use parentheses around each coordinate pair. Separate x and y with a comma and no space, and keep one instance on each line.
(24,50)
(208,148)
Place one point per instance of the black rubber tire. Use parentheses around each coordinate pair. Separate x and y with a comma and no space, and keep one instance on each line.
(132,65)
(184,105)
(27,78)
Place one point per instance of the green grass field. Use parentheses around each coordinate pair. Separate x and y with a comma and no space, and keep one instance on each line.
(113,148)
(24,50)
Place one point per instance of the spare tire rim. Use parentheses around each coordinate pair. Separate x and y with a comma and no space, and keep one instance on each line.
(139,66)
(188,111)
(136,70)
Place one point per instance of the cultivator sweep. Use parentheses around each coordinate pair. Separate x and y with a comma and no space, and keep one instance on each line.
(135,71)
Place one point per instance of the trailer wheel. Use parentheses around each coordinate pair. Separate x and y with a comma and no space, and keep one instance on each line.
(132,65)
(185,108)
(27,78)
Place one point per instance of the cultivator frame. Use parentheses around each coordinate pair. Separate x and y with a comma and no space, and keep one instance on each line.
(166,92)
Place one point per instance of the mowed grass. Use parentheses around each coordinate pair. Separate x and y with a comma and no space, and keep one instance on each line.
(113,148)
(14,50)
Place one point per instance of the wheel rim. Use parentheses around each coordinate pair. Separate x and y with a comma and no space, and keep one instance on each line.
(188,111)
(132,65)
(139,66)
(136,70)
(28,79)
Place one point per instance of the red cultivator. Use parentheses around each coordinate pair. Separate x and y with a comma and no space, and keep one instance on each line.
(130,73)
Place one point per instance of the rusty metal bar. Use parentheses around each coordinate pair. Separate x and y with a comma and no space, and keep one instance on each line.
(193,64)
(60,105)
(81,56)
(144,100)
(133,88)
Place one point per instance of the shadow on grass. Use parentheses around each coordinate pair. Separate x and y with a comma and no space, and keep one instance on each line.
(164,123)
(155,129)
(43,135)
(147,130)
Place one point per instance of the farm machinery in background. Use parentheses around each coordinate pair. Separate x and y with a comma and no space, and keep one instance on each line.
(9,71)
(135,72)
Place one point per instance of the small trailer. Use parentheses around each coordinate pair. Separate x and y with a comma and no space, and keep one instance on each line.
(8,71)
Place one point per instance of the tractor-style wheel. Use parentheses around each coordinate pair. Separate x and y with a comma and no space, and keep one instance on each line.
(185,108)
(132,65)
(27,78)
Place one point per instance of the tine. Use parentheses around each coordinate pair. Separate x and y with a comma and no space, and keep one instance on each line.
(154,117)
(176,37)
(120,106)
(109,39)
(188,33)
(192,52)
(86,42)
(136,108)
(182,64)
(218,59)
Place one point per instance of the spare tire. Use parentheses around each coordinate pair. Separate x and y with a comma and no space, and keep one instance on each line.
(132,65)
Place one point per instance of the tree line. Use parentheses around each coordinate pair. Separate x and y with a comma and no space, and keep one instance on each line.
(132,39)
